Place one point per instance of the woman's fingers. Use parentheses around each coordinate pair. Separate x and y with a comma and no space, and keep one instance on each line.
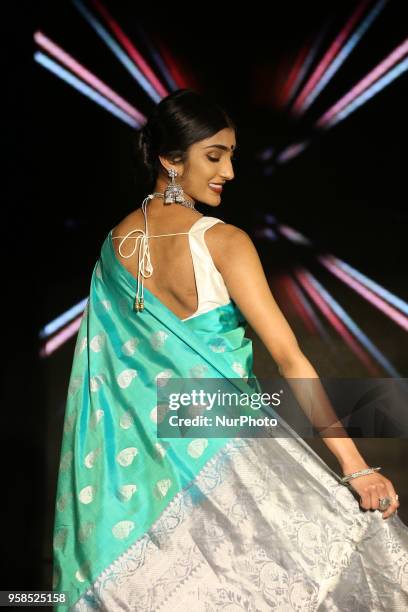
(365,498)
(394,502)
(371,494)
(377,491)
(369,497)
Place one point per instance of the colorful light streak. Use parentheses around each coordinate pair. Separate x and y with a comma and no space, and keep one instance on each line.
(289,86)
(291,151)
(369,93)
(129,47)
(368,282)
(62,319)
(266,154)
(59,339)
(75,82)
(304,69)
(155,55)
(118,51)
(328,58)
(343,54)
(350,332)
(369,295)
(266,232)
(361,93)
(53,49)
(172,66)
(293,235)
(394,57)
(374,293)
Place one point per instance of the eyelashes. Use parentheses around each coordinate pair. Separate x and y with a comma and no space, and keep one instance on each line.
(217,159)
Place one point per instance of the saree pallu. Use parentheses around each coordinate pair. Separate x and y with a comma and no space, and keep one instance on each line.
(150,524)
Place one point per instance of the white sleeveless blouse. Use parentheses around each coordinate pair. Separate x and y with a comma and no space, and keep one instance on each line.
(211,288)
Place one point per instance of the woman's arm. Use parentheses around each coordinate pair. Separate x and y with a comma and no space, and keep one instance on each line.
(313,393)
(237,259)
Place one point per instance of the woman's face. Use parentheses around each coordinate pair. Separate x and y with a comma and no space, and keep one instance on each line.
(208,167)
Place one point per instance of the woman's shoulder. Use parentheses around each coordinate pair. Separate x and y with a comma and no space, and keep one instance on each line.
(224,240)
(124,225)
(227,231)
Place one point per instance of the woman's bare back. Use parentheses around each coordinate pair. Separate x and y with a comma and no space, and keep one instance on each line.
(173,280)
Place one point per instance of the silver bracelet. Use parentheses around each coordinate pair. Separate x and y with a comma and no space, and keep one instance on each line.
(370,470)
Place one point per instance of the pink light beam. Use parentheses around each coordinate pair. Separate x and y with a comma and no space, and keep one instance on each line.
(328,58)
(130,49)
(365,83)
(53,49)
(370,296)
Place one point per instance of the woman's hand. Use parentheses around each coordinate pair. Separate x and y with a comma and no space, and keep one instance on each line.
(371,488)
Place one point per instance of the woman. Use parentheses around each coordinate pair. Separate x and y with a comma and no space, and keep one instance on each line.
(149,522)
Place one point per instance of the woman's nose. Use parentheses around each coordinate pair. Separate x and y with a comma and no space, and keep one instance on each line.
(227,171)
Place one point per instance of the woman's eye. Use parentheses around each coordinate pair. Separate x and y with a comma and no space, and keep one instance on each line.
(216,159)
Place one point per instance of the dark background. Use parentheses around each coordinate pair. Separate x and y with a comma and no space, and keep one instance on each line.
(70,177)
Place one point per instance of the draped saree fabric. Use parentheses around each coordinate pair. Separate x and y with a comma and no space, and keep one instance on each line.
(154,524)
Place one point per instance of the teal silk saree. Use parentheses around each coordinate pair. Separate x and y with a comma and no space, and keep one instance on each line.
(144,523)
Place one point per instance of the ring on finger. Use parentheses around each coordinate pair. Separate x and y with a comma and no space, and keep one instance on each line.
(384,503)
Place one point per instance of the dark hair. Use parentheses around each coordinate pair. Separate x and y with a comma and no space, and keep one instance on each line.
(178,121)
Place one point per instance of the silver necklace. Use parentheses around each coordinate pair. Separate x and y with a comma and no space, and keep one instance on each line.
(186,203)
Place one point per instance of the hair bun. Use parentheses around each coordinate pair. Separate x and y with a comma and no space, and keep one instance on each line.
(144,149)
(145,141)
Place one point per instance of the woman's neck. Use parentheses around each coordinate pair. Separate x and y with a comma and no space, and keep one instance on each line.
(159,208)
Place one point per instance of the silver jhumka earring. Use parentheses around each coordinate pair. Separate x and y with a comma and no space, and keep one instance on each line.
(174,193)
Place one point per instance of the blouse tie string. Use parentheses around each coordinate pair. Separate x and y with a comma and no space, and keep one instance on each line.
(145,267)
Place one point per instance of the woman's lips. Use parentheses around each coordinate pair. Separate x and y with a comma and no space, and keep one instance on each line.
(215,187)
